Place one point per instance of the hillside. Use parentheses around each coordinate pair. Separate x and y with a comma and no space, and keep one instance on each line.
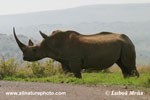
(92,13)
(9,47)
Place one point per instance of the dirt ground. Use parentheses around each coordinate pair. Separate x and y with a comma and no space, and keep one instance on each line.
(67,91)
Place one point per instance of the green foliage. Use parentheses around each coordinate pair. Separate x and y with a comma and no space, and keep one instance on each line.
(50,69)
(24,72)
(7,68)
(37,70)
(30,70)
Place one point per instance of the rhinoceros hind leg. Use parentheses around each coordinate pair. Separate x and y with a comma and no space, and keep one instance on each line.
(127,60)
(123,69)
(128,71)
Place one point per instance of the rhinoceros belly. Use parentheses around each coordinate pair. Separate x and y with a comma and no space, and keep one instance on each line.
(101,58)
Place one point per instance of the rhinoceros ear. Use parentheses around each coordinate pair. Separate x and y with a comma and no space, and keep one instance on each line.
(43,35)
(30,43)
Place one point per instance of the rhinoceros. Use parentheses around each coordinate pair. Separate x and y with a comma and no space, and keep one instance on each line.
(76,51)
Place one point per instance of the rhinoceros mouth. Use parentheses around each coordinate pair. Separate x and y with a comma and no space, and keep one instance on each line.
(24,58)
(29,59)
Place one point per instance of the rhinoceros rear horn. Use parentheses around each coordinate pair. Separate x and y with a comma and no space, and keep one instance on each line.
(20,44)
(30,43)
(43,35)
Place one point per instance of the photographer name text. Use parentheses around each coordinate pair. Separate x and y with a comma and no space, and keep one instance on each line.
(115,93)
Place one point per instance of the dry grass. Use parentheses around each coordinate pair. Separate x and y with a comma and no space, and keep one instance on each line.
(141,69)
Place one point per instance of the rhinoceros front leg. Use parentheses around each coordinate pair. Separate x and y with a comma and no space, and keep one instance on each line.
(65,67)
(75,67)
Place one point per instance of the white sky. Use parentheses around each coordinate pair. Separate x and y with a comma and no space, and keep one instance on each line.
(24,6)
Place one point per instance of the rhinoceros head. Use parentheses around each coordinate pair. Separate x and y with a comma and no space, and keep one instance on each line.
(32,52)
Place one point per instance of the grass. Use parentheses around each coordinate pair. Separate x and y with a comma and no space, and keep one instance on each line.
(47,72)
(91,78)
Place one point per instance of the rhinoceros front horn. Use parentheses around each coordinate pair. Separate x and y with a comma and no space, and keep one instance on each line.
(20,44)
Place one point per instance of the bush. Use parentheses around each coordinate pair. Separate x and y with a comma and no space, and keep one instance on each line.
(10,68)
(51,69)
(7,67)
(37,69)
(43,70)
(24,72)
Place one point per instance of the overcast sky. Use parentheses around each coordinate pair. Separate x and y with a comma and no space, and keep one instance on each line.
(24,6)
